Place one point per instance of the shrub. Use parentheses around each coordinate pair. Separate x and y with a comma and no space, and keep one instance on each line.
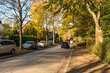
(102,50)
(82,44)
(24,38)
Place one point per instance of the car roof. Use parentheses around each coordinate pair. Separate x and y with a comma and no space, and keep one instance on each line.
(65,42)
(5,40)
(42,41)
(29,41)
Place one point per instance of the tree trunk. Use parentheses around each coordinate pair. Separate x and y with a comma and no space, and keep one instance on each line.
(46,38)
(59,39)
(20,22)
(37,37)
(20,35)
(53,37)
(98,31)
(46,32)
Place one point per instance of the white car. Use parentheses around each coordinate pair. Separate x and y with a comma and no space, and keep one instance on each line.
(42,44)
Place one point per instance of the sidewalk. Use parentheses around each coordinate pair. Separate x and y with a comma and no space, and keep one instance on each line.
(82,61)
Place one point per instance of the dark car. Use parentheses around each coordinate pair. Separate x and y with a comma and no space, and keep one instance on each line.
(29,45)
(64,45)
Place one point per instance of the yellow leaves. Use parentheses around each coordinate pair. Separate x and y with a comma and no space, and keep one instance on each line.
(67,1)
(64,37)
(36,25)
(53,8)
(66,17)
(40,35)
(36,11)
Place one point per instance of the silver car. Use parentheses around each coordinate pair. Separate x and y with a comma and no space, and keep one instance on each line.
(7,46)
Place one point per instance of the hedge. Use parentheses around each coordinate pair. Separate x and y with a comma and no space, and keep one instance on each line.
(82,44)
(24,38)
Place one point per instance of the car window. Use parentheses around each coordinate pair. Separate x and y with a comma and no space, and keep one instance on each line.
(7,42)
(29,42)
(65,43)
(42,41)
(0,44)
(10,42)
(3,43)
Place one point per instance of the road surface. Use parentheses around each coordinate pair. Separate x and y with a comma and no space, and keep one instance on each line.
(44,61)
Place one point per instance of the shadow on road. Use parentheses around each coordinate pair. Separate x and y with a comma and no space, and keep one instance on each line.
(44,58)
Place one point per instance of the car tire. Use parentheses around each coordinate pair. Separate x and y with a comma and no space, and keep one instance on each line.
(13,51)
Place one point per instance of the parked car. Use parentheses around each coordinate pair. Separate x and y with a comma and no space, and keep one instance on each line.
(71,44)
(42,44)
(29,45)
(64,45)
(7,46)
(50,42)
(76,42)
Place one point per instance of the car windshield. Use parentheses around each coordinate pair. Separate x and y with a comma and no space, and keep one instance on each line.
(65,43)
(28,42)
(42,41)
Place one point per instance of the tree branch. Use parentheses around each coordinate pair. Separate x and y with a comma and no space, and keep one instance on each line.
(90,11)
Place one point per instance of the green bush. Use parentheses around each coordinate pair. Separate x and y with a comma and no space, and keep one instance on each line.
(102,50)
(82,44)
(24,38)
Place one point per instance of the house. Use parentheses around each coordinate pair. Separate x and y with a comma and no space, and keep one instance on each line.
(1,26)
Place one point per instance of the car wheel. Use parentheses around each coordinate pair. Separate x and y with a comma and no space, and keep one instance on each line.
(13,51)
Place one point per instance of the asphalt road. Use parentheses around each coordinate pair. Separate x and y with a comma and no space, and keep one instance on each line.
(44,61)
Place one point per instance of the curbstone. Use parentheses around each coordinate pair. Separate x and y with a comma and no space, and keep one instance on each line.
(68,63)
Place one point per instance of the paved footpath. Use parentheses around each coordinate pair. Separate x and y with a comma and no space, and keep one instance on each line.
(82,61)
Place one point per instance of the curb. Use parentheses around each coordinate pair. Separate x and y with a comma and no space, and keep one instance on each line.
(68,63)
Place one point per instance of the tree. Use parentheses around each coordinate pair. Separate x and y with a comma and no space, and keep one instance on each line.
(34,29)
(16,9)
(105,19)
(96,17)
(75,7)
(44,16)
(40,16)
(6,31)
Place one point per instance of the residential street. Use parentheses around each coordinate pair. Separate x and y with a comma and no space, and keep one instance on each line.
(44,61)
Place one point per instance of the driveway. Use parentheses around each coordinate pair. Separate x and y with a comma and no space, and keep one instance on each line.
(44,61)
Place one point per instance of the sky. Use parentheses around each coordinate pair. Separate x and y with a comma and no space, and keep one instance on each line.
(10,12)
